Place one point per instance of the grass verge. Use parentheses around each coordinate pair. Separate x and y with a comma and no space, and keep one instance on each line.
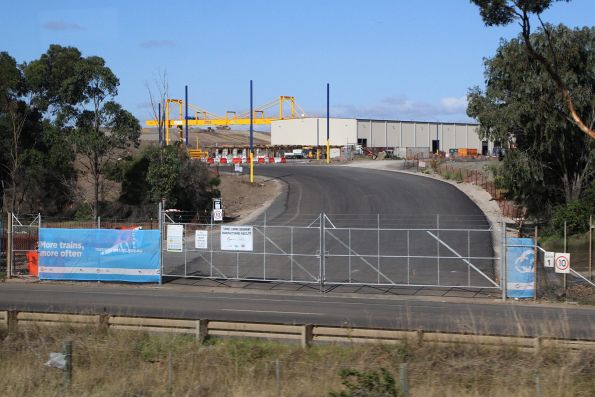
(120,363)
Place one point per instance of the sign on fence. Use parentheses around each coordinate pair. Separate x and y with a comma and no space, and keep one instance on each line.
(548,259)
(562,262)
(236,238)
(175,238)
(201,239)
(520,262)
(99,255)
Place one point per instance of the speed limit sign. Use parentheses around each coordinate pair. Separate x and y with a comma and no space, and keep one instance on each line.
(562,262)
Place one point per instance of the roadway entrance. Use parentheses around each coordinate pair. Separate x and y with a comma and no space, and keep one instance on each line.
(327,249)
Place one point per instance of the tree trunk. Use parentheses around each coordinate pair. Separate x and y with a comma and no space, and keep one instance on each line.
(96,196)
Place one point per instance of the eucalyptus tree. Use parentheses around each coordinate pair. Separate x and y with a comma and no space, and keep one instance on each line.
(551,161)
(505,12)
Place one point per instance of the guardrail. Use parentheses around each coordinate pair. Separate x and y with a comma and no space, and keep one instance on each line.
(306,334)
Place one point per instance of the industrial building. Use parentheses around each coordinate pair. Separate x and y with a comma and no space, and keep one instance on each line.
(380,134)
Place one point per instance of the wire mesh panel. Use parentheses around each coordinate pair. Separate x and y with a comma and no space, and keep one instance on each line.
(419,254)
(246,252)
(346,249)
(25,237)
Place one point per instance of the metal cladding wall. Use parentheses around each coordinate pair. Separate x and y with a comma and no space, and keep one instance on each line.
(377,133)
(312,132)
(391,133)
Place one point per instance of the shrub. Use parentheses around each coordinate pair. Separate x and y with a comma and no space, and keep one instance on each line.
(367,383)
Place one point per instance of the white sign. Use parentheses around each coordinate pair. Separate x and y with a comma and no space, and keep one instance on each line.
(175,238)
(201,240)
(422,164)
(562,262)
(236,238)
(548,259)
(218,215)
(238,168)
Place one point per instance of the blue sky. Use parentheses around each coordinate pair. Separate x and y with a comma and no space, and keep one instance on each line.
(395,59)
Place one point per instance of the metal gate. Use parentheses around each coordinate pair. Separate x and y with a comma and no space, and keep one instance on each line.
(338,249)
(22,238)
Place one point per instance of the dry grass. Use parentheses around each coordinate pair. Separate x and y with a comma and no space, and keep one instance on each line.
(136,364)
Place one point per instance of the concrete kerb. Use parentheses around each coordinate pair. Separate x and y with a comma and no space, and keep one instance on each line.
(479,196)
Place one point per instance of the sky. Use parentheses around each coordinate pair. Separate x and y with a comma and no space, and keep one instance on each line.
(383,59)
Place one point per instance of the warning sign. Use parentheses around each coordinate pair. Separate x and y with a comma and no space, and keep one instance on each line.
(217,215)
(562,262)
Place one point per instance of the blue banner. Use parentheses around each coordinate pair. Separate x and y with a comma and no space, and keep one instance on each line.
(99,255)
(520,262)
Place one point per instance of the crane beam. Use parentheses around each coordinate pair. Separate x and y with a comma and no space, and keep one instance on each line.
(205,118)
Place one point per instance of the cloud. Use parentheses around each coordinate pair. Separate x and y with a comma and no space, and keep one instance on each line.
(447,109)
(157,44)
(454,105)
(62,26)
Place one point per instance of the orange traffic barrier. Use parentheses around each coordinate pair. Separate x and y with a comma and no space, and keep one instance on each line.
(33,263)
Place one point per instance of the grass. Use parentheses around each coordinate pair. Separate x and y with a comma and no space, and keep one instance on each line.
(120,363)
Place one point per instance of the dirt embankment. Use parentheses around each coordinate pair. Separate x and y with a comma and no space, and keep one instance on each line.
(247,200)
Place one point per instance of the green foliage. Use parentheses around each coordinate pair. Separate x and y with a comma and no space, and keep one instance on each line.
(367,384)
(167,173)
(51,110)
(503,12)
(551,159)
(575,214)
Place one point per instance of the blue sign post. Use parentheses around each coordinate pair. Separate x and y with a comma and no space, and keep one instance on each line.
(99,255)
(520,262)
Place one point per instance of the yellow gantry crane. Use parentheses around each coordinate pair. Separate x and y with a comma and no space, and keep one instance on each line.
(205,118)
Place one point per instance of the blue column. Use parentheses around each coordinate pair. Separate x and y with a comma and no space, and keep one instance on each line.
(186,118)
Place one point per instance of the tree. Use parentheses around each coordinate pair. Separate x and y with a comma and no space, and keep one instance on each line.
(166,173)
(551,160)
(504,12)
(16,110)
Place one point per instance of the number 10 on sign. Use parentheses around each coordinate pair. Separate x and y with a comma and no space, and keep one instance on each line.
(562,262)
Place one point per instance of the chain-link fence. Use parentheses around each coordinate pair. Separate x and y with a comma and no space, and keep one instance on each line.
(336,249)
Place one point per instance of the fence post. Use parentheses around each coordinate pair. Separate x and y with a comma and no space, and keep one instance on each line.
(9,246)
(68,367)
(159,210)
(306,335)
(536,262)
(170,373)
(12,321)
(278,378)
(503,261)
(404,380)
(322,251)
(591,247)
(564,251)
(98,222)
(202,331)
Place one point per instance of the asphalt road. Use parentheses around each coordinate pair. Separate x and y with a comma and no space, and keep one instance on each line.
(381,227)
(403,313)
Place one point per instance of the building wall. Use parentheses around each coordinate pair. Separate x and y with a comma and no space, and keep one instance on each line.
(390,133)
(377,133)
(312,132)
